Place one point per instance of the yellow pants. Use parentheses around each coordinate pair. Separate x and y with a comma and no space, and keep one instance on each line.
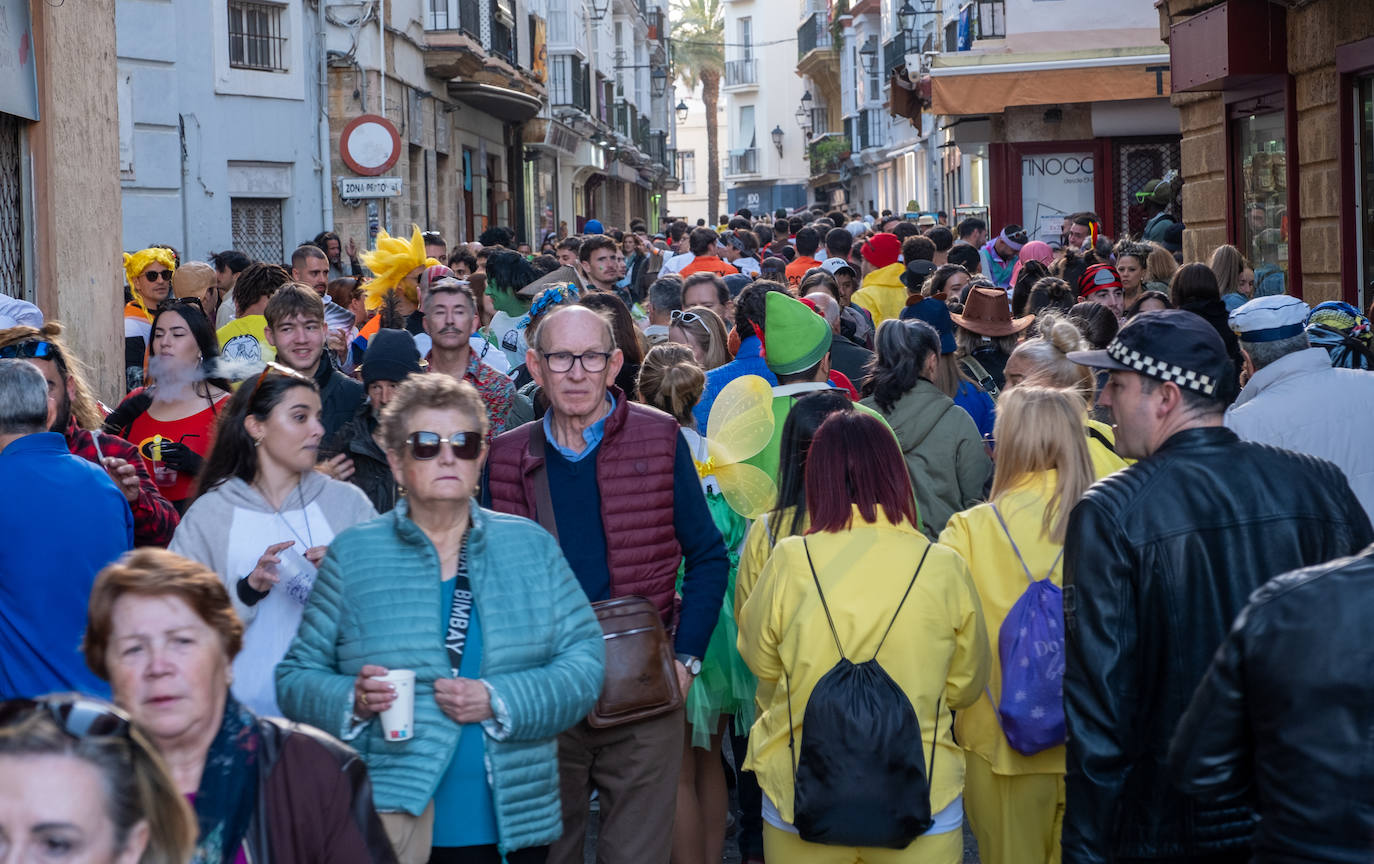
(788,848)
(1016,818)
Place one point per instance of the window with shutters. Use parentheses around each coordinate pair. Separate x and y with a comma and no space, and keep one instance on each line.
(256,226)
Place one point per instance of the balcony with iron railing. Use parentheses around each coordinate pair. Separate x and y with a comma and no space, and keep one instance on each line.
(741,73)
(817,57)
(866,129)
(827,153)
(570,83)
(502,38)
(894,53)
(813,35)
(743,162)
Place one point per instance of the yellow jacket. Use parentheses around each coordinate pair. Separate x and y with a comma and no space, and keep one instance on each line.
(758,545)
(980,541)
(1105,460)
(938,648)
(883,293)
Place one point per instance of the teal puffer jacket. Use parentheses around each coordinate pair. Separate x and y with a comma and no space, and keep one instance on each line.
(376,600)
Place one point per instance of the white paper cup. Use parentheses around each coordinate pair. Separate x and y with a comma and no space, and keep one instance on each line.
(398,721)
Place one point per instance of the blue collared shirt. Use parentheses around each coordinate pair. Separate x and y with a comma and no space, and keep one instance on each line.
(592,435)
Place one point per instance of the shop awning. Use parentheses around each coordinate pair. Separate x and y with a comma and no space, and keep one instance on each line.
(990,87)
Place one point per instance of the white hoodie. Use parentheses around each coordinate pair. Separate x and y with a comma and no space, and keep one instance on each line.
(228,528)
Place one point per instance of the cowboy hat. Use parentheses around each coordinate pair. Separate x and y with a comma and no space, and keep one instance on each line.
(986,313)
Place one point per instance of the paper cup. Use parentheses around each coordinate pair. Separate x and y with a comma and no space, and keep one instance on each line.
(398,721)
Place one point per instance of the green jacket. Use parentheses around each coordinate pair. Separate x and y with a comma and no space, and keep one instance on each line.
(948,464)
(377,601)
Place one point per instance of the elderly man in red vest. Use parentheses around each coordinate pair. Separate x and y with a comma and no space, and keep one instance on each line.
(618,487)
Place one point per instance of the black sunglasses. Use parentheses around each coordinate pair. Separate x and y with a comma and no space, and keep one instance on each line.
(34,348)
(426,445)
(74,714)
(154,275)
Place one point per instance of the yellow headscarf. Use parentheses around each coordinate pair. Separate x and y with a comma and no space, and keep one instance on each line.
(135,264)
(391,261)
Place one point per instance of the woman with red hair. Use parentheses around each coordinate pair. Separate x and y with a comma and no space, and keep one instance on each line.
(849,581)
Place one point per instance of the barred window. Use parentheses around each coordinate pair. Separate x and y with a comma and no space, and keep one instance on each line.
(255,224)
(255,36)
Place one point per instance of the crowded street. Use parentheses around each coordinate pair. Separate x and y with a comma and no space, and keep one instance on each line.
(457,431)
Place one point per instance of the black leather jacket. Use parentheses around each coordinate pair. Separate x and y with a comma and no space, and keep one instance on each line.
(1285,717)
(371,470)
(314,801)
(1159,559)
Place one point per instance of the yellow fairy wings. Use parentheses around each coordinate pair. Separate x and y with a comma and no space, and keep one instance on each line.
(741,424)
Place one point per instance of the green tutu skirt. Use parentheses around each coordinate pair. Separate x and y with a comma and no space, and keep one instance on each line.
(725,687)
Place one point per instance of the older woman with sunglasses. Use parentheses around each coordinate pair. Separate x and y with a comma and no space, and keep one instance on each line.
(486,612)
(163,633)
(260,489)
(172,419)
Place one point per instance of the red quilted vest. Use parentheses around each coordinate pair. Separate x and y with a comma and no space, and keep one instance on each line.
(634,473)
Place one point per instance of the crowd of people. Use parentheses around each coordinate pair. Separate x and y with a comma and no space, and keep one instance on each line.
(428,554)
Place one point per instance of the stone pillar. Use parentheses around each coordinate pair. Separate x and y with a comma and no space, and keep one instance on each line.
(75,148)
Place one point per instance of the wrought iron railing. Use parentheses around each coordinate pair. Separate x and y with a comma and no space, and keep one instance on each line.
(828,152)
(894,53)
(739,72)
(743,161)
(813,33)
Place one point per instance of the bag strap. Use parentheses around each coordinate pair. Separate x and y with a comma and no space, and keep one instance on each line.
(980,375)
(829,620)
(1015,549)
(1102,439)
(909,586)
(543,498)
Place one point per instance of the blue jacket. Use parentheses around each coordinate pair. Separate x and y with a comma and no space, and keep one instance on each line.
(64,521)
(377,601)
(748,361)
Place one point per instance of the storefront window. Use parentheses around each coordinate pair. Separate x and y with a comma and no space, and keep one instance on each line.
(1053,186)
(1364,179)
(1262,156)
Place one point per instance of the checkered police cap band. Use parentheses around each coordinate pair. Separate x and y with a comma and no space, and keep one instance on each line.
(1147,365)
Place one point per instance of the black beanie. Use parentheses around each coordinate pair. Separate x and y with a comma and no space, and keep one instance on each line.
(391,356)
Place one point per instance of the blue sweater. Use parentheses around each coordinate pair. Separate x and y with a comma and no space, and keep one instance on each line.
(748,361)
(64,521)
(577,511)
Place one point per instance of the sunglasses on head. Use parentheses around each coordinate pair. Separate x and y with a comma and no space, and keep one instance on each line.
(426,445)
(34,348)
(685,317)
(174,302)
(74,714)
(268,368)
(154,275)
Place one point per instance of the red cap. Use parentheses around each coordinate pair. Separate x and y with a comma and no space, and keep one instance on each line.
(883,250)
(1097,278)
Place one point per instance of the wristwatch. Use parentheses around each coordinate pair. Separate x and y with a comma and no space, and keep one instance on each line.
(693,664)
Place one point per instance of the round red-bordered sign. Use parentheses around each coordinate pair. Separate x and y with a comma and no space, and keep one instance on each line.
(370,145)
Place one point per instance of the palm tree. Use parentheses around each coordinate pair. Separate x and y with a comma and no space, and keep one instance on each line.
(699,57)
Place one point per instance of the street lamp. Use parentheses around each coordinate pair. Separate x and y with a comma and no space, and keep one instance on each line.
(658,81)
(777,138)
(681,111)
(599,9)
(906,18)
(868,55)
(804,121)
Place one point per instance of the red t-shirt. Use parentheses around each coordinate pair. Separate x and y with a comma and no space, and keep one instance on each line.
(196,432)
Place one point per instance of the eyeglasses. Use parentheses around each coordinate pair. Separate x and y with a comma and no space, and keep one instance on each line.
(154,275)
(74,714)
(685,317)
(426,445)
(34,348)
(562,361)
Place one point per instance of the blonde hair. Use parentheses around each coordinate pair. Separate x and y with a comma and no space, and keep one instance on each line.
(670,380)
(1049,351)
(1160,264)
(709,330)
(1041,429)
(1227,263)
(949,375)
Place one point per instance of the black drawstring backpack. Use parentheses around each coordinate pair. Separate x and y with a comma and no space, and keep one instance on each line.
(860,779)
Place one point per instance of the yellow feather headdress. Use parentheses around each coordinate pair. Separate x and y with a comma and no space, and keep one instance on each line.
(393,258)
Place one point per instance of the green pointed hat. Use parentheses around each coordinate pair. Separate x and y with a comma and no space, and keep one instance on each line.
(795,338)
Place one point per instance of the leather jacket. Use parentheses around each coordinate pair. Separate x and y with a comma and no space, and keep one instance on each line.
(1284,715)
(314,801)
(1159,559)
(371,469)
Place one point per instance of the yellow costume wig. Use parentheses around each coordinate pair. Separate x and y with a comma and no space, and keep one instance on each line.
(391,261)
(135,264)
